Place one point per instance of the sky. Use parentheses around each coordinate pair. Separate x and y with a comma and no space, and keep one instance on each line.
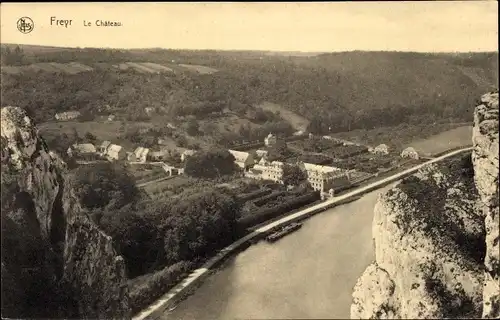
(428,26)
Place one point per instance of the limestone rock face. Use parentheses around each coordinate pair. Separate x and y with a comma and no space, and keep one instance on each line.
(425,242)
(48,234)
(485,158)
(436,237)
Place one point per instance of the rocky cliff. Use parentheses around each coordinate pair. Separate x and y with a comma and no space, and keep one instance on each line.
(55,260)
(485,158)
(436,237)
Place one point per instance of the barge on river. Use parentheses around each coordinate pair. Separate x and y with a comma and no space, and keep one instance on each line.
(283,232)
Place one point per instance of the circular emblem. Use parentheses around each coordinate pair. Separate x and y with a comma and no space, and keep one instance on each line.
(25,25)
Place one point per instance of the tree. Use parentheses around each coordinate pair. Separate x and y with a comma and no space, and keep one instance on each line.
(90,137)
(200,224)
(210,164)
(193,128)
(181,141)
(137,236)
(279,151)
(104,185)
(293,175)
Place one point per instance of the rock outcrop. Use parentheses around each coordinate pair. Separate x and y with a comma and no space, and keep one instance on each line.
(51,248)
(436,237)
(485,158)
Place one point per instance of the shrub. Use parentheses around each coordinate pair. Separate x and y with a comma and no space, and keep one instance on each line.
(145,289)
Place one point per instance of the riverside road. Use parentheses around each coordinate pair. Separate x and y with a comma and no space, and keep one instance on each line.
(256,289)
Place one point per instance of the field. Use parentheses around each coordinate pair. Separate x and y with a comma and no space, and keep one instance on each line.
(199,69)
(166,187)
(69,68)
(145,173)
(458,137)
(297,121)
(76,67)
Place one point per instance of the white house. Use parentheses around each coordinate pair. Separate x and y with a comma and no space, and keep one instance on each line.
(68,115)
(82,149)
(115,152)
(270,140)
(140,154)
(381,149)
(324,178)
(261,153)
(410,153)
(186,154)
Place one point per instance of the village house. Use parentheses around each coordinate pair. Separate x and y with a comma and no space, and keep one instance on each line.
(410,153)
(242,159)
(264,170)
(380,149)
(187,153)
(115,152)
(254,173)
(261,153)
(68,115)
(83,150)
(103,148)
(270,140)
(298,133)
(158,155)
(139,155)
(325,178)
(149,110)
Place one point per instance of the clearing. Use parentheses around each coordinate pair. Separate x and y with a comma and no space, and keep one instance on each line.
(198,68)
(298,122)
(166,187)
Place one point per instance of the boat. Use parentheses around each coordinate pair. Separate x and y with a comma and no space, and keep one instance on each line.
(172,308)
(283,232)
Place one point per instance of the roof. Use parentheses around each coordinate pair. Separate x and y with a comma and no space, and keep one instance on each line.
(141,152)
(188,152)
(84,148)
(319,168)
(240,156)
(381,147)
(114,148)
(68,113)
(409,150)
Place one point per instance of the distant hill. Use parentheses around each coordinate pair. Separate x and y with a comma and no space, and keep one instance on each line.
(333,91)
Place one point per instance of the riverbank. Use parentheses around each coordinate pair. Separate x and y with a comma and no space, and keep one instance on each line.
(197,276)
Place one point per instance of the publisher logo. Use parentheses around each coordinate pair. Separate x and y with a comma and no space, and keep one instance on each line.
(25,25)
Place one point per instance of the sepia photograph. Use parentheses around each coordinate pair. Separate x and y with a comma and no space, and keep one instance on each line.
(250,160)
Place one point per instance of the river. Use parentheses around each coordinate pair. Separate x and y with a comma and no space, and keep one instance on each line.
(307,274)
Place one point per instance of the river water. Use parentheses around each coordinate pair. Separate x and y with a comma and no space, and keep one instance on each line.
(307,274)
